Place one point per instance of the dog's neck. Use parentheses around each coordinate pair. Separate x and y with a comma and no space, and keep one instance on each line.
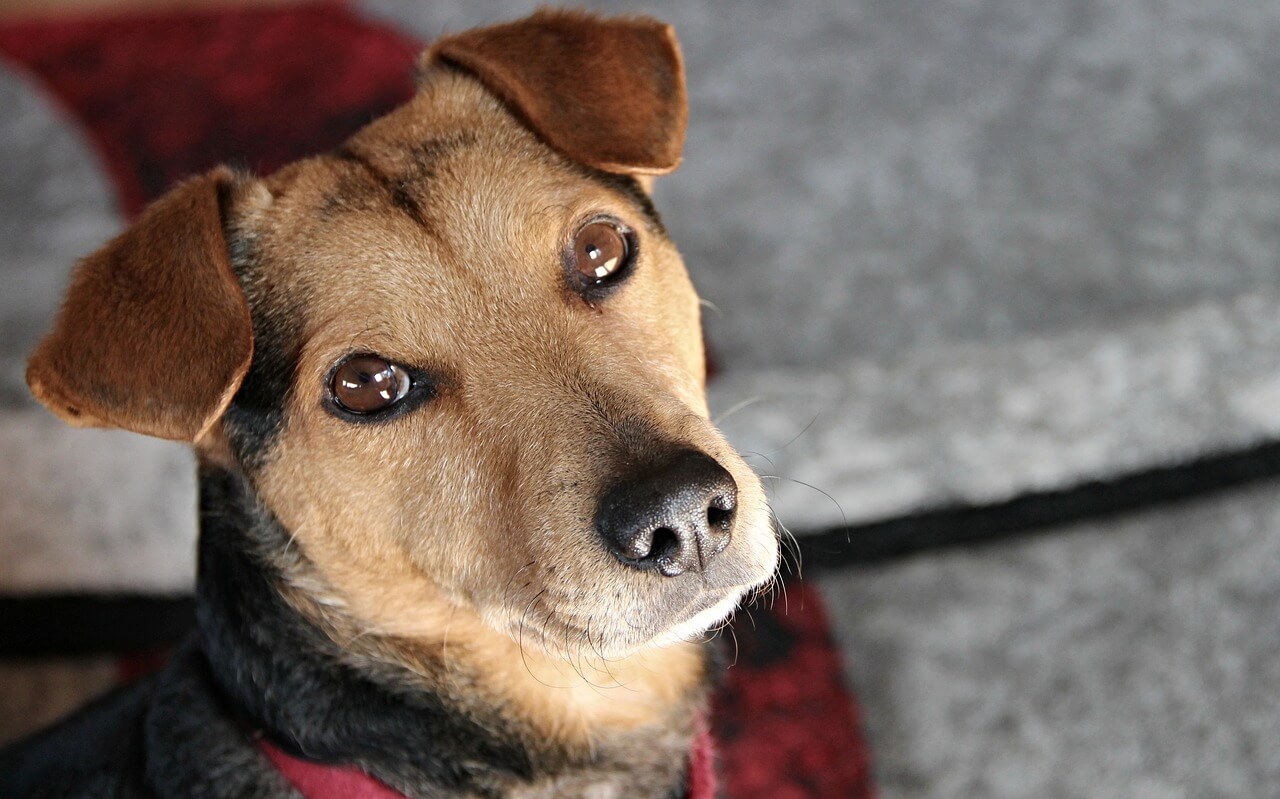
(424,723)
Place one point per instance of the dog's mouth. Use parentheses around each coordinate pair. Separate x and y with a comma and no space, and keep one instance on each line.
(706,614)
(571,631)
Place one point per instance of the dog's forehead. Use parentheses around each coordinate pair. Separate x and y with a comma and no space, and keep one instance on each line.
(426,162)
(449,187)
(445,220)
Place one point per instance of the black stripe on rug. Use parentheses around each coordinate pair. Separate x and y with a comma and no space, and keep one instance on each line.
(83,624)
(1037,513)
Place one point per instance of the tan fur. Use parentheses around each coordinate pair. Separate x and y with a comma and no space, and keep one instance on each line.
(457,540)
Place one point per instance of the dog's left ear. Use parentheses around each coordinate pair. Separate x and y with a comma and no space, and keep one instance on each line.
(608,93)
(155,333)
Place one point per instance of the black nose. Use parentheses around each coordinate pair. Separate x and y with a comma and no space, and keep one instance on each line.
(672,519)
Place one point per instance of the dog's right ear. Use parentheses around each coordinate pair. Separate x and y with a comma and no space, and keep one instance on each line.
(154,335)
(608,92)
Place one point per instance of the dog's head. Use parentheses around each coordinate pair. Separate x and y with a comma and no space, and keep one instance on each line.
(459,359)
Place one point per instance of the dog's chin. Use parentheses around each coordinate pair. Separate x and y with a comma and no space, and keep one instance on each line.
(690,624)
(707,614)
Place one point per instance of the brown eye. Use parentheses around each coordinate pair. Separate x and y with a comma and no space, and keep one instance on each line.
(367,384)
(599,251)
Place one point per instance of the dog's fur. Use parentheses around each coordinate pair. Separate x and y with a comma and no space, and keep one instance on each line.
(424,595)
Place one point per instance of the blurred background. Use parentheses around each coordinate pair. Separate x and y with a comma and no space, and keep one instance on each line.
(994,305)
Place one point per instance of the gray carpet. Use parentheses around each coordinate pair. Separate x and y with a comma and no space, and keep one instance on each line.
(80,510)
(1134,658)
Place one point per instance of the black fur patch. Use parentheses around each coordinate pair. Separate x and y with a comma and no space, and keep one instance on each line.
(255,416)
(168,735)
(197,746)
(428,155)
(398,190)
(97,752)
(404,190)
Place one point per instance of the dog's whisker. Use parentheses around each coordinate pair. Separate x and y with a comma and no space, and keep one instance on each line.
(576,662)
(789,545)
(734,635)
(797,436)
(750,453)
(746,403)
(607,662)
(604,663)
(706,303)
(843,518)
(586,655)
(520,641)
(507,594)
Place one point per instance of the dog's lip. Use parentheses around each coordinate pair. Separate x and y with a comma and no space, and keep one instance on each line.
(709,610)
(709,599)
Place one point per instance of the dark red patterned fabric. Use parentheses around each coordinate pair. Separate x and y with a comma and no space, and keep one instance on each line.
(165,96)
(785,725)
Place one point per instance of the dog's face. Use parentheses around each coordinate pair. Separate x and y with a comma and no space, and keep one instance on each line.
(476,376)
(472,402)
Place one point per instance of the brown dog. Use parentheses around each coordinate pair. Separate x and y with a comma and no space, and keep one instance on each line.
(446,389)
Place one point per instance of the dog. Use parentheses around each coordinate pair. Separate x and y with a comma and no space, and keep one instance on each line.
(464,520)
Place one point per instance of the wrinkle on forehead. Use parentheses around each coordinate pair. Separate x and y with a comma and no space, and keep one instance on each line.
(453,112)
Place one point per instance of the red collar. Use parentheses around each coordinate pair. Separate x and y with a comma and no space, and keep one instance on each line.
(321,781)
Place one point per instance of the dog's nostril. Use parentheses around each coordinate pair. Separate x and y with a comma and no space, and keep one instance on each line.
(718,517)
(672,519)
(666,544)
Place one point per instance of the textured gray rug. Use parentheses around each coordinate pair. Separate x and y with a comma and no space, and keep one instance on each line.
(79,509)
(1133,658)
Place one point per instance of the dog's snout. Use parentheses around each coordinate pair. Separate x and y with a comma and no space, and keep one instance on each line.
(672,519)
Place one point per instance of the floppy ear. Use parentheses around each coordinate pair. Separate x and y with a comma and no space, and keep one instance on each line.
(154,334)
(608,93)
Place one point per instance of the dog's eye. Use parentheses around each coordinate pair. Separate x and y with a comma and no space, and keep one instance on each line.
(599,252)
(368,384)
